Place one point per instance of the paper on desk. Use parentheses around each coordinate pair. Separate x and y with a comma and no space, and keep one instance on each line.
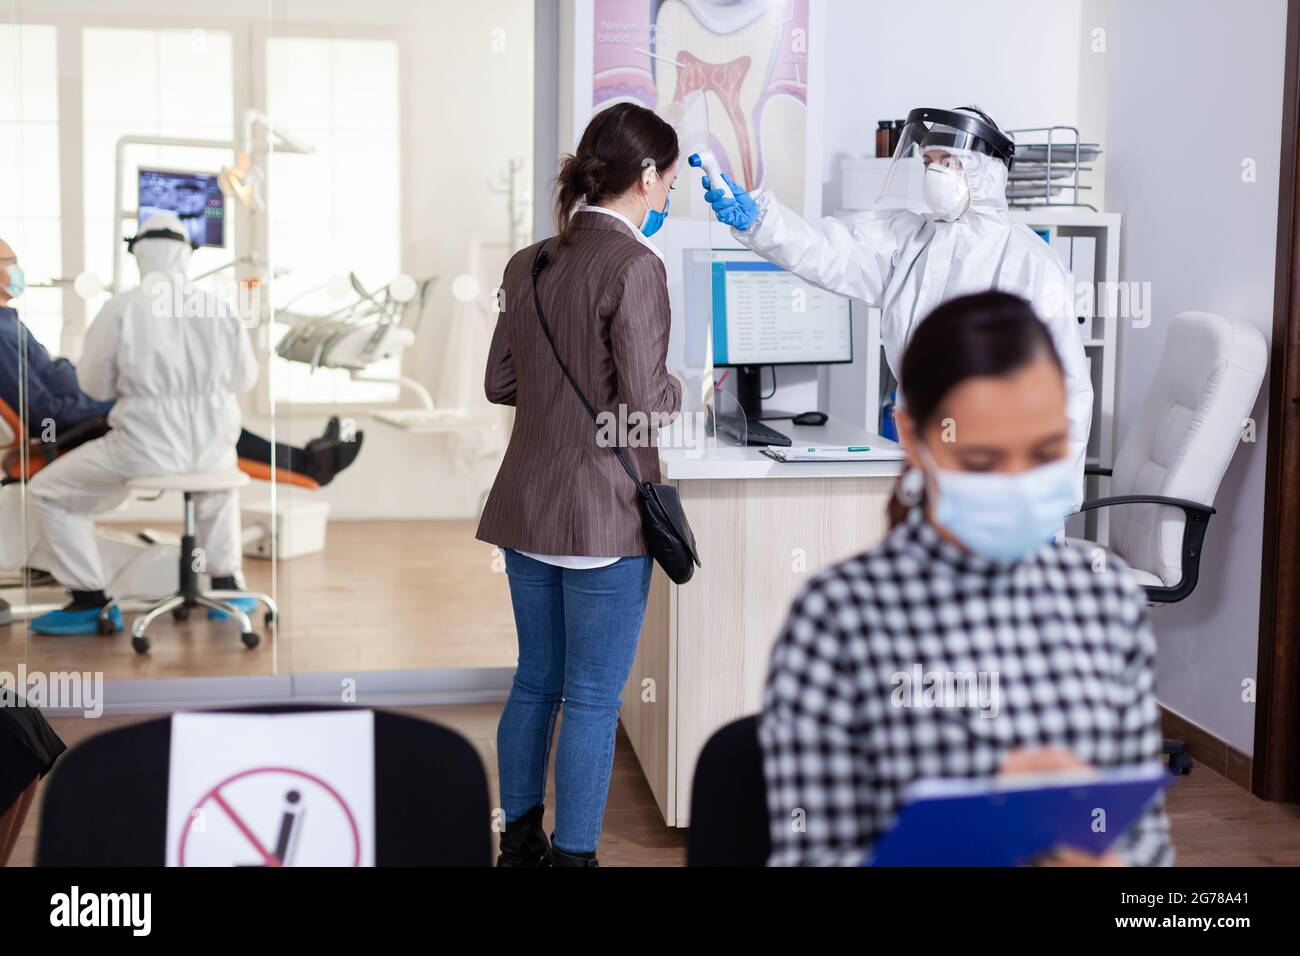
(833,453)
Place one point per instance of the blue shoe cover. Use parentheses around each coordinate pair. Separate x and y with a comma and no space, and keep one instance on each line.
(65,623)
(247,605)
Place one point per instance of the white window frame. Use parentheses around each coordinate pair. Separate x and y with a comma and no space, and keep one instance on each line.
(266,404)
(68,47)
(249,36)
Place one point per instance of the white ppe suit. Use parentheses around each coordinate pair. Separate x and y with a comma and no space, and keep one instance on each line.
(174,357)
(906,264)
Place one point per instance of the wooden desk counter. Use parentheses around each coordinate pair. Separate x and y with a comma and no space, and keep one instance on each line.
(762,528)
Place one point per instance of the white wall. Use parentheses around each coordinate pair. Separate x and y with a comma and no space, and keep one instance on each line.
(1195,87)
(1018,60)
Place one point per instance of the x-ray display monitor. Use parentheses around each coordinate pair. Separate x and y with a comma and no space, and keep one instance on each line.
(195,197)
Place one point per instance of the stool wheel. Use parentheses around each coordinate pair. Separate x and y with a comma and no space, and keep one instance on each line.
(1180,764)
(181,613)
(105,627)
(268,618)
(140,644)
(250,639)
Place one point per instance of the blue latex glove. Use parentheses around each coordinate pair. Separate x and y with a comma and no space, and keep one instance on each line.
(738,212)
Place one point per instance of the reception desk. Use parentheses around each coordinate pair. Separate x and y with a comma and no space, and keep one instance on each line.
(762,527)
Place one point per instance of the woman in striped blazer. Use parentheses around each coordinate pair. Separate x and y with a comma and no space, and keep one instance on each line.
(562,509)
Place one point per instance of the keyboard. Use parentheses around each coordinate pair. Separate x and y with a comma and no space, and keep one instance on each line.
(750,432)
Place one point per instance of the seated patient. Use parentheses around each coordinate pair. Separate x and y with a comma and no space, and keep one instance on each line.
(970,580)
(174,374)
(53,395)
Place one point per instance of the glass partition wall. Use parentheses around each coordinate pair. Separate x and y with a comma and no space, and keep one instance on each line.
(350,186)
(398,174)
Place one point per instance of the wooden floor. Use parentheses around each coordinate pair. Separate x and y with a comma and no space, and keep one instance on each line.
(1214,822)
(382,596)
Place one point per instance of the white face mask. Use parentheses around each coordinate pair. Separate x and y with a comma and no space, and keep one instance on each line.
(945,190)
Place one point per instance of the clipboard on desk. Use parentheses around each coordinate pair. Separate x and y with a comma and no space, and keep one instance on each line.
(1009,821)
(804,453)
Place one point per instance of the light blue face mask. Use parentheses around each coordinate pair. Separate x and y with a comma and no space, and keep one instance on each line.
(17,283)
(1005,517)
(654,218)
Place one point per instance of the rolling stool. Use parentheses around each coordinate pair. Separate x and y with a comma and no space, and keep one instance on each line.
(189,595)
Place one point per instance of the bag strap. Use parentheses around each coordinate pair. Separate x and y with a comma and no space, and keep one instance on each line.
(539,263)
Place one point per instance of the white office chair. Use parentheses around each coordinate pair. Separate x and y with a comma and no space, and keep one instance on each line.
(1171,461)
(189,594)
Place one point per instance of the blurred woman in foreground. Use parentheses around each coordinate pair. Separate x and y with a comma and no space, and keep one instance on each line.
(970,581)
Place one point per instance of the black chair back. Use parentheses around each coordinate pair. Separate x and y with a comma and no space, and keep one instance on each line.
(106,801)
(729,822)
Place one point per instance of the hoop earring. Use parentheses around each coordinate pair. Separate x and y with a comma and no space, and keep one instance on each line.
(910,487)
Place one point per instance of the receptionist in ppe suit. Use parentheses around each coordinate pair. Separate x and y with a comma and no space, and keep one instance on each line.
(954,165)
(173,357)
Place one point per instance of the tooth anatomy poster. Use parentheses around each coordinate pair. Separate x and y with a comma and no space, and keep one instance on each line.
(731,77)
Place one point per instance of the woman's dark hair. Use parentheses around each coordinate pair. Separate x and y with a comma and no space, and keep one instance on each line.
(990,334)
(615,148)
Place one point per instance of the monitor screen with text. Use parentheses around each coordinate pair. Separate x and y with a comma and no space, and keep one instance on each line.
(764,315)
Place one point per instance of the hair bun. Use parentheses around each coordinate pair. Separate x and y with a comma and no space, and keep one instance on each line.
(588,174)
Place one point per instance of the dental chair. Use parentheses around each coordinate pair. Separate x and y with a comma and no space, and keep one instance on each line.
(1174,456)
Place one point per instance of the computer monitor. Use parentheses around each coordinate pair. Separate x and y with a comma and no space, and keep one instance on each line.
(765,315)
(195,197)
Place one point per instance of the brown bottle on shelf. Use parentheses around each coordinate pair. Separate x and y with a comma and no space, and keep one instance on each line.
(884,138)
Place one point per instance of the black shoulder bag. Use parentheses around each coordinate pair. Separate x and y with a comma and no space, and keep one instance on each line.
(668,536)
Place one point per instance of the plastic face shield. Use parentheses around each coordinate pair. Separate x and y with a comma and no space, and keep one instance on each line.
(956,140)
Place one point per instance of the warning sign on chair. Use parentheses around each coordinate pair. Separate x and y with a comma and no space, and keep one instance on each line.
(272,790)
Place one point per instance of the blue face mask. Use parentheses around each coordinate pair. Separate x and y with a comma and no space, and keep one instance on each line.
(654,218)
(1005,517)
(17,283)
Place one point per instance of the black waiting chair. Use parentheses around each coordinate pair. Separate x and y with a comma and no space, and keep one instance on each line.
(106,800)
(729,822)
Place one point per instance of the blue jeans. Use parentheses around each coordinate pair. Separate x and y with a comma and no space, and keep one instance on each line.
(577,637)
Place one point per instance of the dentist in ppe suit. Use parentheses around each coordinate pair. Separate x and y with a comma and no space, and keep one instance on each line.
(173,357)
(953,165)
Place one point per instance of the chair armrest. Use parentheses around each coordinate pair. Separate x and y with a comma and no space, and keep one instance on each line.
(1097,470)
(1190,507)
(1198,517)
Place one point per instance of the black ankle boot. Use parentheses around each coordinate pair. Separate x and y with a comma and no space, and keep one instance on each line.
(524,843)
(559,858)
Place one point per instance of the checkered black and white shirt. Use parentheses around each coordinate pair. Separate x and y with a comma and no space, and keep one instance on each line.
(1047,652)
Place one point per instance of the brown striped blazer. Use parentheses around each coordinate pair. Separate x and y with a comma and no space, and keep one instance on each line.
(605,296)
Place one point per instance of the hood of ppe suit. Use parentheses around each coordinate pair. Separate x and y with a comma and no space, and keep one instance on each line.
(987,177)
(168,257)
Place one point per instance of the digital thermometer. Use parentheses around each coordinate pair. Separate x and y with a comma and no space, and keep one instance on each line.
(709,163)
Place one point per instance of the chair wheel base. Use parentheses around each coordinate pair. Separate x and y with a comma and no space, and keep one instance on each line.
(268,618)
(1180,764)
(140,644)
(105,627)
(181,613)
(250,639)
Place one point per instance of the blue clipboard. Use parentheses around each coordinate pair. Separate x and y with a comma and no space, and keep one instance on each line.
(1008,821)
